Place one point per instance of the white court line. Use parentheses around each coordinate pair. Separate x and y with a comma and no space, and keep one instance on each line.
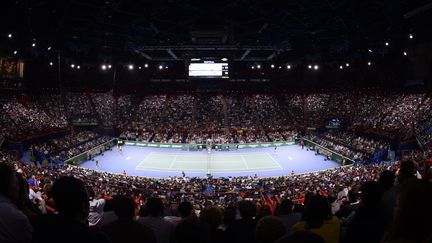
(280,167)
(142,161)
(173,161)
(244,161)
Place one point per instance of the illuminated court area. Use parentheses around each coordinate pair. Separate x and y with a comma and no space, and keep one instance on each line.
(167,162)
(205,162)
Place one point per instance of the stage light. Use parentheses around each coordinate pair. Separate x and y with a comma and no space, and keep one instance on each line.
(49,48)
(272,66)
(316,67)
(340,67)
(280,67)
(33,44)
(109,66)
(146,65)
(253,67)
(288,66)
(15,52)
(139,67)
(78,67)
(369,63)
(131,67)
(224,59)
(72,65)
(411,36)
(369,50)
(405,53)
(160,67)
(166,67)
(10,35)
(103,67)
(258,66)
(387,44)
(51,63)
(310,66)
(347,64)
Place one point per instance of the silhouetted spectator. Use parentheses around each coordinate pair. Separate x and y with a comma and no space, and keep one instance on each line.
(212,217)
(14,225)
(369,217)
(317,218)
(413,213)
(269,229)
(189,230)
(286,215)
(126,229)
(241,229)
(70,225)
(302,237)
(162,229)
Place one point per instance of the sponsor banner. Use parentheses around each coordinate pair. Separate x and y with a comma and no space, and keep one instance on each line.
(201,146)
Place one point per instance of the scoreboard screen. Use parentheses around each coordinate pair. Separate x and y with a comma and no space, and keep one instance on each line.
(208,68)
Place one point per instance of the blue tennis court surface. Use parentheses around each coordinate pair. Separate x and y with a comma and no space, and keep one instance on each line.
(165,162)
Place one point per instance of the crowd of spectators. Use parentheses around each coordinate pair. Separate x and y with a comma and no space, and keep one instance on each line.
(79,103)
(344,150)
(70,145)
(20,119)
(315,107)
(104,105)
(369,146)
(160,117)
(335,205)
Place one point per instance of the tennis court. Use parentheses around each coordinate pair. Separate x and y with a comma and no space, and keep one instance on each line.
(169,162)
(209,163)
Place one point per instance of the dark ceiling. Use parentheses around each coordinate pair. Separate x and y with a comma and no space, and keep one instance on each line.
(247,30)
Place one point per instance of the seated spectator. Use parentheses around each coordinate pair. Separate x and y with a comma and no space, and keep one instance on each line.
(70,225)
(126,229)
(212,217)
(412,217)
(241,229)
(317,219)
(14,225)
(269,229)
(162,229)
(189,230)
(369,217)
(286,215)
(302,237)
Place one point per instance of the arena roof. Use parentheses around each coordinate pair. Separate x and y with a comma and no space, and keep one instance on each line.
(170,30)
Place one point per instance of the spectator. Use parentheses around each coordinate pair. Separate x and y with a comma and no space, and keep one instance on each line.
(317,219)
(189,230)
(14,225)
(70,225)
(96,209)
(412,218)
(269,229)
(162,229)
(212,217)
(286,215)
(369,217)
(240,230)
(126,229)
(302,237)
